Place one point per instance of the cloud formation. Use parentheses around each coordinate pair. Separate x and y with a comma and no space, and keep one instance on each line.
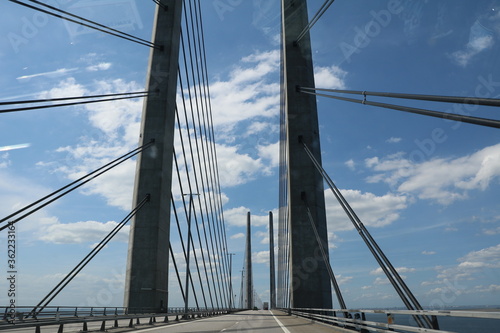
(373,210)
(444,180)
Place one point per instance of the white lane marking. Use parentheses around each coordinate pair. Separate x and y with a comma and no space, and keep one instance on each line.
(235,324)
(279,323)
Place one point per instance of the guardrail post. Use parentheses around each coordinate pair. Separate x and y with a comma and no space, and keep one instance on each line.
(166,319)
(363,318)
(334,321)
(435,323)
(85,327)
(61,328)
(116,323)
(131,323)
(37,329)
(103,326)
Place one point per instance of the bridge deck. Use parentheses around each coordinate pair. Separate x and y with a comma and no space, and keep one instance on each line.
(246,321)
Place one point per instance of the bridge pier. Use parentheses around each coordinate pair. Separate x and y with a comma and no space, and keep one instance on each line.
(146,285)
(309,280)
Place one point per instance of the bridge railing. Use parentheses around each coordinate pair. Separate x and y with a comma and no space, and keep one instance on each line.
(357,318)
(24,316)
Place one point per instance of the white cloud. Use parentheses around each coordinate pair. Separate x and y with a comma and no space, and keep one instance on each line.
(260,126)
(373,210)
(4,161)
(331,77)
(103,66)
(52,74)
(343,279)
(381,281)
(400,270)
(428,253)
(270,152)
(261,257)
(488,257)
(237,236)
(393,140)
(444,180)
(479,41)
(66,88)
(238,217)
(81,232)
(350,164)
(492,288)
(472,265)
(492,232)
(248,93)
(263,235)
(235,168)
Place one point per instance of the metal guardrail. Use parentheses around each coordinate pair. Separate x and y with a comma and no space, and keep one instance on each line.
(59,316)
(356,318)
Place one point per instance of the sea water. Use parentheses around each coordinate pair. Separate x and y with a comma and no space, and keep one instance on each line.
(451,324)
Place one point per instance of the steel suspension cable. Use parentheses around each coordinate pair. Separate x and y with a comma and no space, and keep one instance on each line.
(202,126)
(215,173)
(58,99)
(363,236)
(165,7)
(333,280)
(437,114)
(189,30)
(189,140)
(72,186)
(90,24)
(377,252)
(220,211)
(283,233)
(190,145)
(174,262)
(183,249)
(186,50)
(77,269)
(430,98)
(190,239)
(37,107)
(190,190)
(183,246)
(315,19)
(194,165)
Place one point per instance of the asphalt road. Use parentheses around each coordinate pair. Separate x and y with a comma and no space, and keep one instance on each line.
(244,322)
(247,322)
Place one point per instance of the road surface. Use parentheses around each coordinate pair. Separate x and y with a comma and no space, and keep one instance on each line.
(244,322)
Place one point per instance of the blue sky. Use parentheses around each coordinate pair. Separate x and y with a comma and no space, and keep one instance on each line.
(426,188)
